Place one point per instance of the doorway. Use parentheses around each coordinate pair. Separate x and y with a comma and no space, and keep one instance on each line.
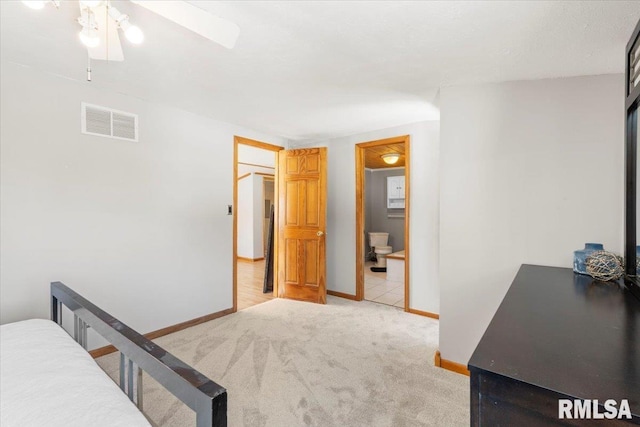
(382,218)
(254,193)
(268,201)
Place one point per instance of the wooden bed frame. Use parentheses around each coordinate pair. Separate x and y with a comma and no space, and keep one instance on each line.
(137,353)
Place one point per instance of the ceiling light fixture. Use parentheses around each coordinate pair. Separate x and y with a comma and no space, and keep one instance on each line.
(89,33)
(132,33)
(391,158)
(89,37)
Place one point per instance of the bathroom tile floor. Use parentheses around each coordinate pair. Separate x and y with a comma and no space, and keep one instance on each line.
(378,289)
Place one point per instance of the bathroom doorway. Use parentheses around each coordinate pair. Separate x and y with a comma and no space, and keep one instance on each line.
(254,194)
(382,221)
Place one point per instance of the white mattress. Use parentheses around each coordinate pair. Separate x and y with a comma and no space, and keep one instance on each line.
(47,379)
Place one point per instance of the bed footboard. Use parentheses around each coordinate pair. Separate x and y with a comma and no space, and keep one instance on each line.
(205,397)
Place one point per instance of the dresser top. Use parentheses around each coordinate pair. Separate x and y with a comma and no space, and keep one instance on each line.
(567,333)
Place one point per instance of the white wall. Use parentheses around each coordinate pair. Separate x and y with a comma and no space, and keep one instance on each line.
(244,210)
(251,217)
(245,169)
(341,223)
(376,204)
(368,194)
(256,156)
(141,229)
(258,213)
(530,171)
(251,198)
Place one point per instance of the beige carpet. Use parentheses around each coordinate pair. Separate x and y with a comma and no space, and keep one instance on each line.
(287,363)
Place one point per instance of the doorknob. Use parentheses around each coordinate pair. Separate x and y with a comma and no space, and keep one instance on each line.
(319,233)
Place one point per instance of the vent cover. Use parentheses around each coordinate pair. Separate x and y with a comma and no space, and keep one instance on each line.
(103,121)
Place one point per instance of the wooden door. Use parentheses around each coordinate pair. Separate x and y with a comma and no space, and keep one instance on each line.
(302,185)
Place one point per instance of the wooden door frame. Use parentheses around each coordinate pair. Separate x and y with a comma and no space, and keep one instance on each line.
(360,205)
(239,140)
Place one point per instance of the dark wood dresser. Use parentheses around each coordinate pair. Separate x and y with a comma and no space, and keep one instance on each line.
(557,335)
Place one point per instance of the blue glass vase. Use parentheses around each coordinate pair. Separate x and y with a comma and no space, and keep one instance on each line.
(580,256)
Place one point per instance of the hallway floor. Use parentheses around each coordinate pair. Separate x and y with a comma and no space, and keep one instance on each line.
(378,289)
(376,286)
(250,281)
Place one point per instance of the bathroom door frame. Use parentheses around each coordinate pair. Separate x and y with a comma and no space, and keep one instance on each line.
(239,140)
(360,207)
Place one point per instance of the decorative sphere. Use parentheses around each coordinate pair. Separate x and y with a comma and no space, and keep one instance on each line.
(603,265)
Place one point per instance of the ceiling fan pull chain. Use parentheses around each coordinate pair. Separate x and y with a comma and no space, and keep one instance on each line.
(88,68)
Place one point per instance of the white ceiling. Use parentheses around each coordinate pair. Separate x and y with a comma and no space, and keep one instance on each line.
(310,70)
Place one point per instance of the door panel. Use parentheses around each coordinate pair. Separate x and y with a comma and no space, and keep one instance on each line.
(311,262)
(312,213)
(302,182)
(292,201)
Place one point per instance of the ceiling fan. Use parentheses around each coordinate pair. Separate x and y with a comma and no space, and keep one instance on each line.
(100,22)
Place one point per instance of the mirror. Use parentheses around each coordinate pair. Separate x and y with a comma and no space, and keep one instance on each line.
(632,231)
(632,160)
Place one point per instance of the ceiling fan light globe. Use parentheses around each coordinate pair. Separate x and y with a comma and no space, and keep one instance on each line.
(89,39)
(134,34)
(34,4)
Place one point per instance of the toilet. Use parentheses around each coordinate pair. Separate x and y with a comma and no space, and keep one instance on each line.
(378,241)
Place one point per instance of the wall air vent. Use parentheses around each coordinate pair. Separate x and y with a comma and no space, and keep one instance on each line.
(103,121)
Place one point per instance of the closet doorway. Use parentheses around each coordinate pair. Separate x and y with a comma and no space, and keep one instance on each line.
(254,194)
(382,220)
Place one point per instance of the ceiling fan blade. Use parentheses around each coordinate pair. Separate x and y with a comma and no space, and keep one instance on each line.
(109,48)
(195,19)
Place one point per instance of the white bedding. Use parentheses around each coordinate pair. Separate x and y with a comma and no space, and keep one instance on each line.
(47,379)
